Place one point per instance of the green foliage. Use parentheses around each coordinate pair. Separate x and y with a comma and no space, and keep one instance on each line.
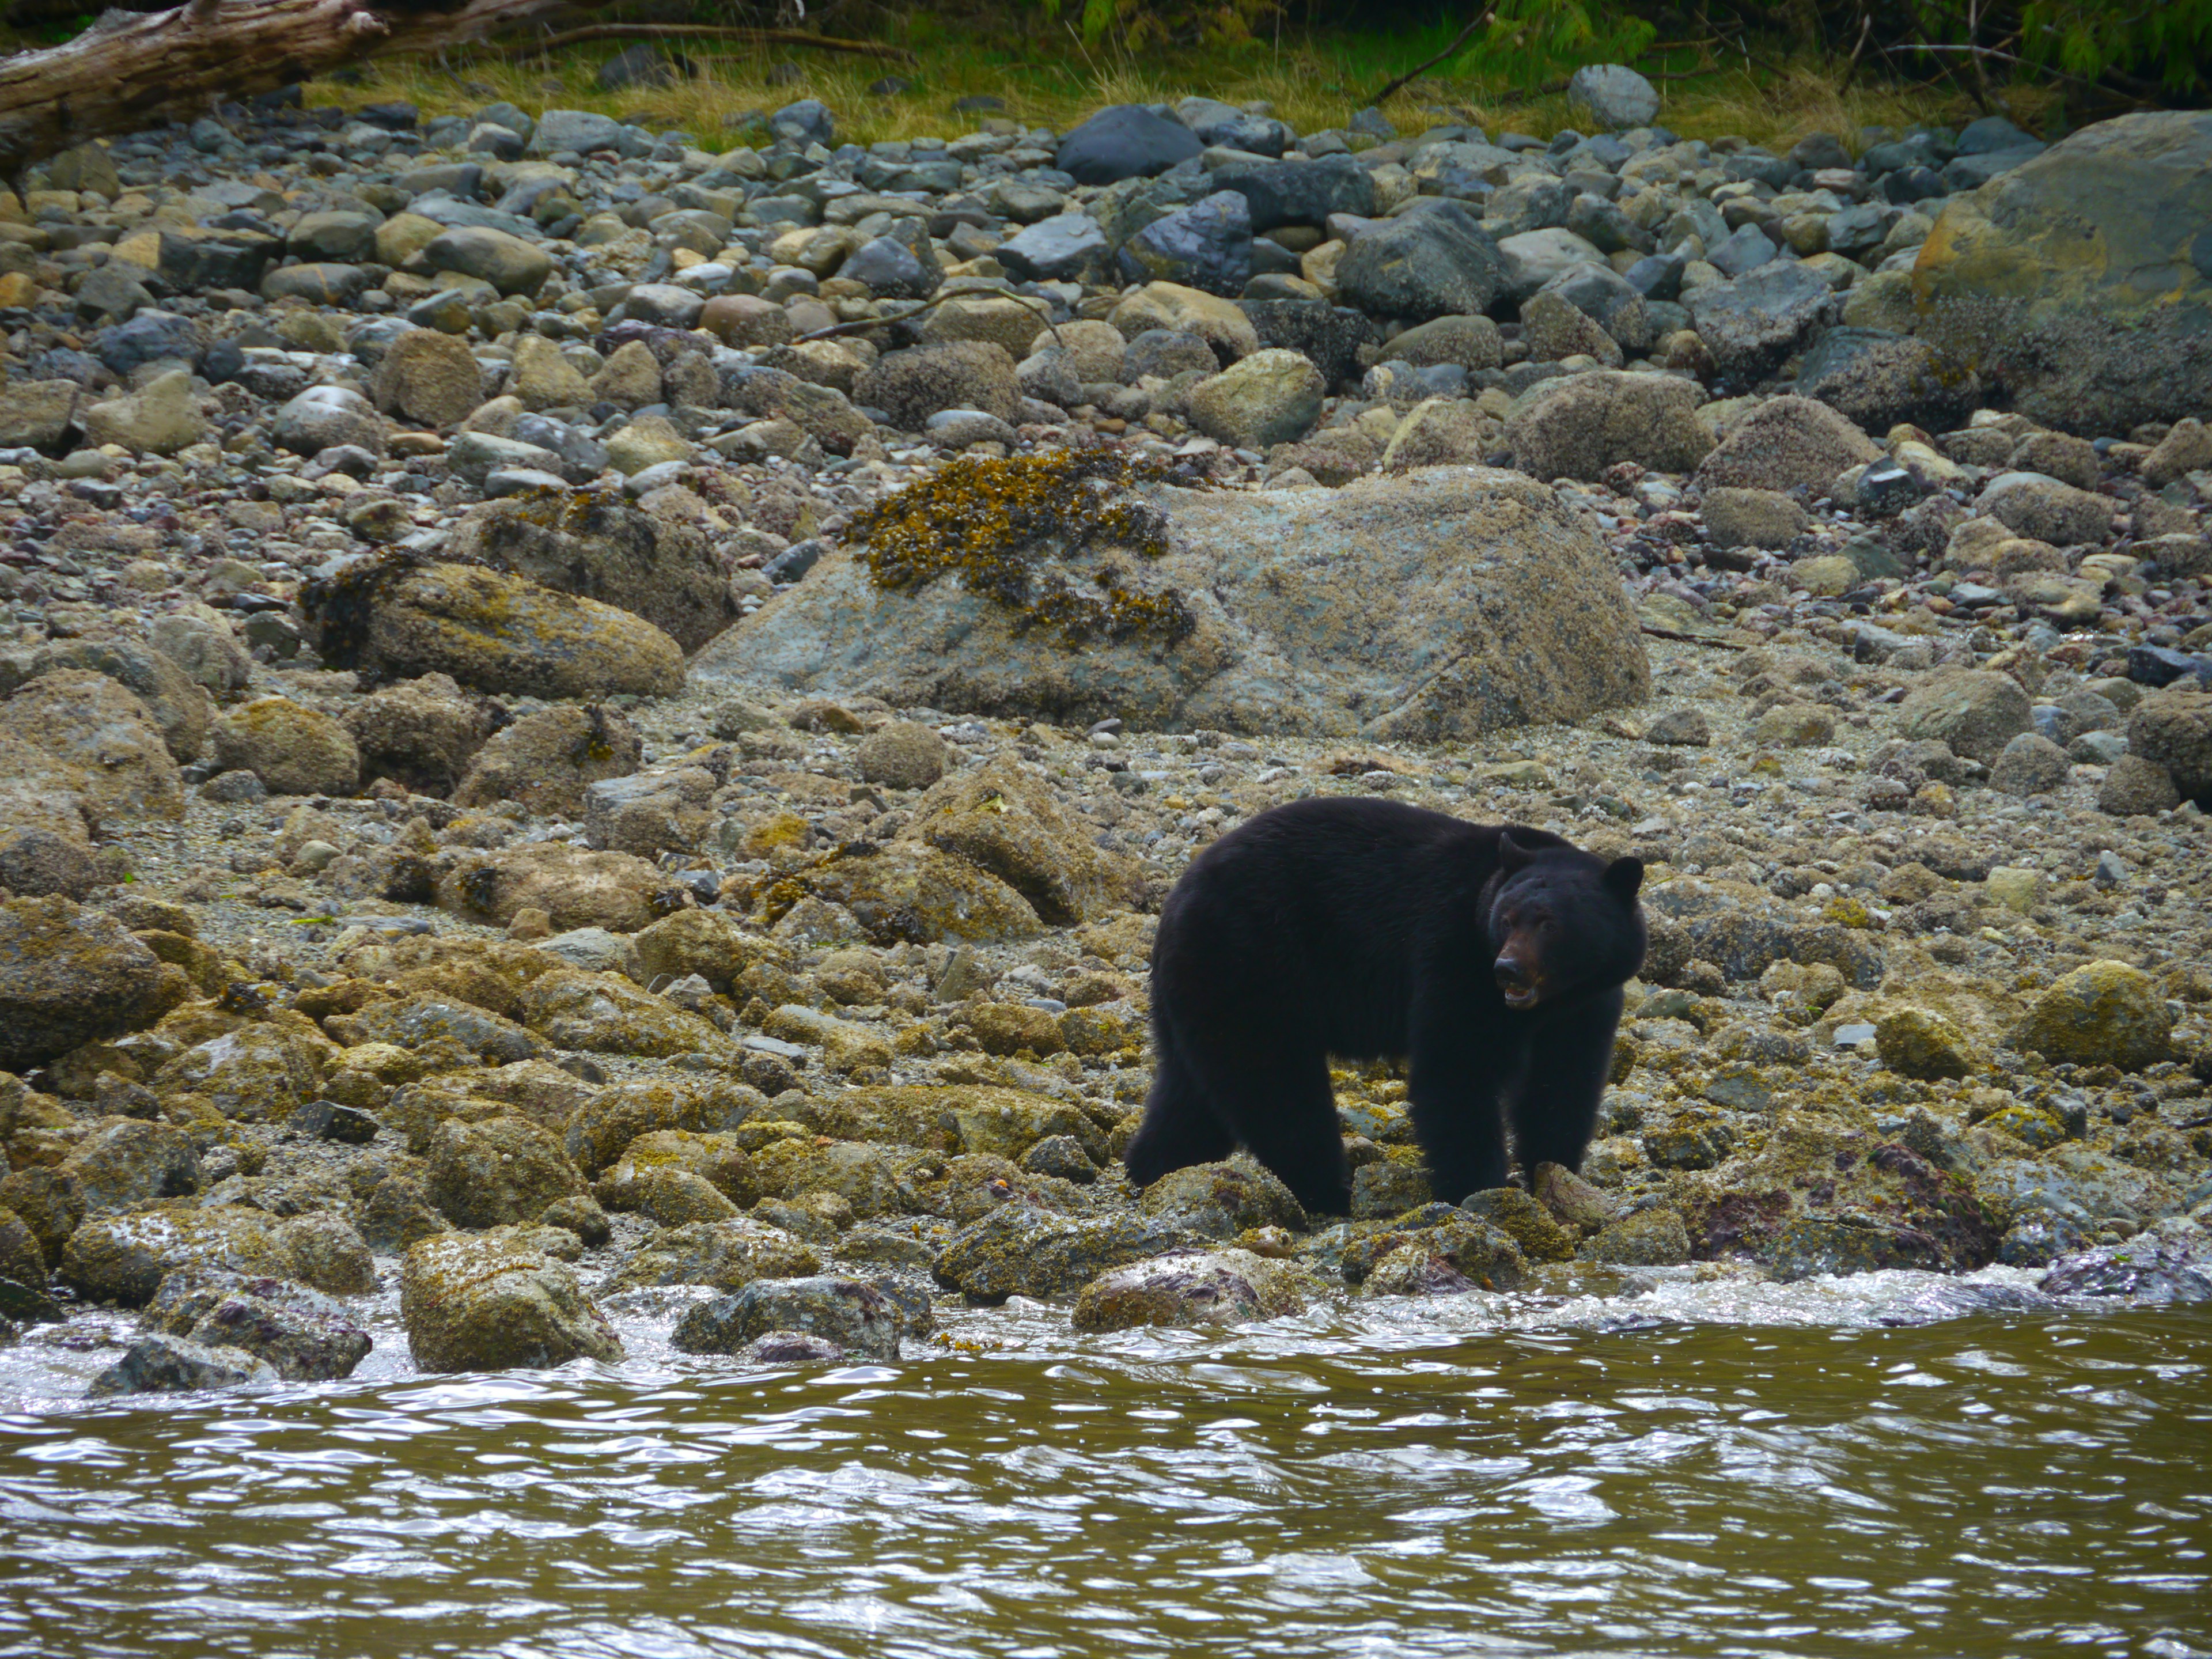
(1530,41)
(1140,24)
(2166,40)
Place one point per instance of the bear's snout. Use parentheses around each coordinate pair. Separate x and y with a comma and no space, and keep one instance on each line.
(1517,981)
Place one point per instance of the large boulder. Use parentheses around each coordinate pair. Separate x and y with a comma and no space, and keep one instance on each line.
(1576,426)
(2104,1014)
(1883,379)
(2172,728)
(96,734)
(1438,604)
(428,377)
(173,700)
(1438,261)
(1975,711)
(123,1258)
(1003,819)
(1272,397)
(914,385)
(601,548)
(1301,193)
(1124,141)
(575,888)
(549,759)
(1753,324)
(69,976)
(1222,324)
(498,1172)
(1787,443)
(1207,245)
(2080,280)
(487,629)
(1193,1287)
(421,733)
(853,1316)
(1613,97)
(1820,1196)
(490,1302)
(293,749)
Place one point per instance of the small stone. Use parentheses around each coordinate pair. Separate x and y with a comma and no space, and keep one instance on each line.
(903,755)
(1916,1043)
(1649,1238)
(1523,1220)
(1681,727)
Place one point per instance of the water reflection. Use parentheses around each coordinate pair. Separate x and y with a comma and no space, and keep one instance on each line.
(1769,1471)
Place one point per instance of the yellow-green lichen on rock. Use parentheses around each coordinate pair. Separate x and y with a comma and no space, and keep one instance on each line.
(1916,1043)
(490,1302)
(391,613)
(2106,1014)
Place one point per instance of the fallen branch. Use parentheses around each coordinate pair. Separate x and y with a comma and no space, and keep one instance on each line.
(131,70)
(1457,41)
(863,324)
(1659,633)
(723,32)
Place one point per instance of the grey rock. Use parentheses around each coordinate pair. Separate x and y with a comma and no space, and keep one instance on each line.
(1124,141)
(1753,324)
(850,1313)
(1460,600)
(171,1365)
(1438,263)
(2155,1266)
(1882,379)
(1615,97)
(323,416)
(562,130)
(1066,248)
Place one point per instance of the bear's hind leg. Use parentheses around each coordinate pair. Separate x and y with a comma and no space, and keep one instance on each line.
(1283,1111)
(1180,1127)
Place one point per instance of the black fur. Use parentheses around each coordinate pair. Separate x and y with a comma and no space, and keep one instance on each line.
(1367,929)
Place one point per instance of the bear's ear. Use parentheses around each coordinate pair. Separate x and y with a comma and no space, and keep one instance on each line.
(1512,854)
(1624,877)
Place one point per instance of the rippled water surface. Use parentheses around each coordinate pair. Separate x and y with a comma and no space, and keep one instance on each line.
(1729,1470)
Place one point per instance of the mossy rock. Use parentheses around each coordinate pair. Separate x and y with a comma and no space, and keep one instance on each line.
(2104,1014)
(1220,1201)
(488,1302)
(1916,1043)
(1018,1249)
(1524,1221)
(1192,1288)
(70,976)
(727,1254)
(123,1258)
(498,1172)
(494,632)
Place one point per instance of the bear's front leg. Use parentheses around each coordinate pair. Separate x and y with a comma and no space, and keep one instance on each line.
(1554,1100)
(1453,1098)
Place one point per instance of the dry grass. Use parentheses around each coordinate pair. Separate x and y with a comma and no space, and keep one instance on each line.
(1312,86)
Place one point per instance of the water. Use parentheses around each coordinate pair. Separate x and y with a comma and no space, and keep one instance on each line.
(1695,1465)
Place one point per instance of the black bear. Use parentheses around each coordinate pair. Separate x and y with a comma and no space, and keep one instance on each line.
(1489,956)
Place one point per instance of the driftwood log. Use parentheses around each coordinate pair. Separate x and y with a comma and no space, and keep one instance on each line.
(134,70)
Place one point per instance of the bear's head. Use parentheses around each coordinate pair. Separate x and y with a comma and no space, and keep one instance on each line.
(1563,920)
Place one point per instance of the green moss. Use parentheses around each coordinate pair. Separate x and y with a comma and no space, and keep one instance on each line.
(1003,526)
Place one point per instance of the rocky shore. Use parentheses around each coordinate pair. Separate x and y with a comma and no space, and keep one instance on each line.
(588,724)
